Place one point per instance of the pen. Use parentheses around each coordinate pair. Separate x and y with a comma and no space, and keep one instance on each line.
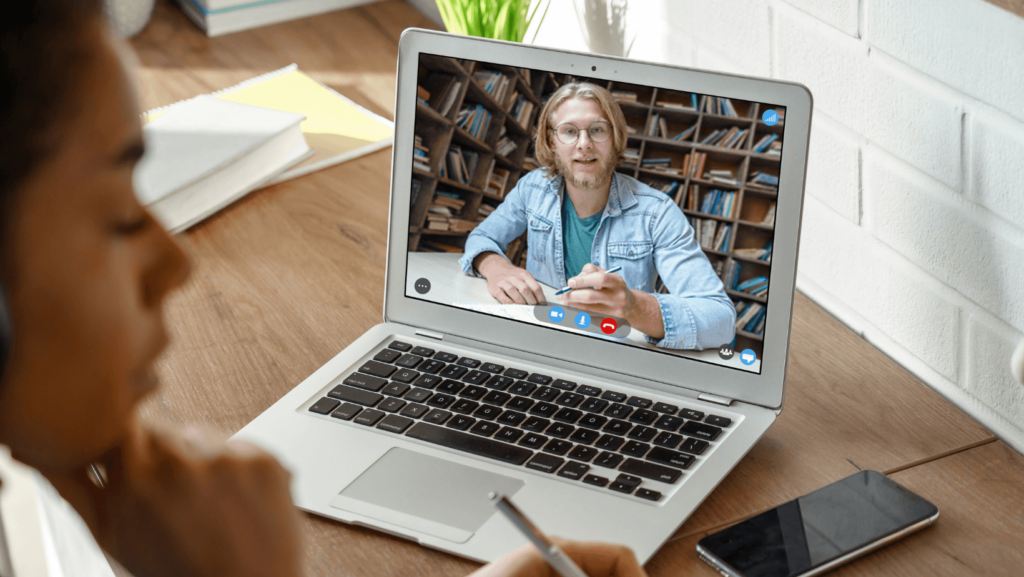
(559,561)
(564,290)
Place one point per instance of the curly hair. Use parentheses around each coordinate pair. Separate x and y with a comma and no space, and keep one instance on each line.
(546,155)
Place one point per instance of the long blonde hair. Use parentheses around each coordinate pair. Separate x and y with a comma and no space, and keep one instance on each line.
(546,155)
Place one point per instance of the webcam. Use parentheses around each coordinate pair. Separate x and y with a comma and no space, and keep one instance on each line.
(593,68)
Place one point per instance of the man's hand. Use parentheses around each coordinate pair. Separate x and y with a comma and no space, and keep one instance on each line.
(595,559)
(507,283)
(596,290)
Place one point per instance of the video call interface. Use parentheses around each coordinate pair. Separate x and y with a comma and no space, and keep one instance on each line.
(626,213)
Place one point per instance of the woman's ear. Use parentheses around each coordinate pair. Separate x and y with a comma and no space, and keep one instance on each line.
(1017,362)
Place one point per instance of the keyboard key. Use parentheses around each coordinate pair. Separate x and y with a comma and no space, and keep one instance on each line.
(468,362)
(613,396)
(418,395)
(473,392)
(515,374)
(608,460)
(669,440)
(405,376)
(718,421)
(669,423)
(545,463)
(509,435)
(396,389)
(568,415)
(664,408)
(617,427)
(629,480)
(446,357)
(546,394)
(635,448)
(594,405)
(643,416)
(511,418)
(499,382)
(409,361)
(543,409)
(460,422)
(668,457)
(488,412)
(539,379)
(648,494)
(564,385)
(560,430)
(651,471)
(585,436)
(557,447)
(592,421)
(609,442)
(520,404)
(639,402)
(700,430)
(432,366)
(522,388)
(694,446)
(428,381)
(582,453)
(621,487)
(492,368)
(357,396)
(387,356)
(346,411)
(365,382)
(464,406)
(450,387)
(569,399)
(470,443)
(574,471)
(368,417)
(642,433)
(377,369)
(476,377)
(533,441)
(423,351)
(441,400)
(437,416)
(413,410)
(391,405)
(323,406)
(618,411)
(484,428)
(497,398)
(595,480)
(453,372)
(395,424)
(589,391)
(692,415)
(399,346)
(536,424)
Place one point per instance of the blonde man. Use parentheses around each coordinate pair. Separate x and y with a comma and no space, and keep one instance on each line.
(583,218)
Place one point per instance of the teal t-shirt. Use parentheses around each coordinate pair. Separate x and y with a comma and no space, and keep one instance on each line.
(578,236)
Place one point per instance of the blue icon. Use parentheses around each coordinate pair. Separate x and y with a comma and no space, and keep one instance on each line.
(556,314)
(583,320)
(747,357)
(770,117)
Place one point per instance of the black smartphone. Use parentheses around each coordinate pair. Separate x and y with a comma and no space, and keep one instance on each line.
(819,531)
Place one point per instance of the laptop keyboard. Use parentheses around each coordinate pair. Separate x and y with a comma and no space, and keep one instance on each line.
(538,421)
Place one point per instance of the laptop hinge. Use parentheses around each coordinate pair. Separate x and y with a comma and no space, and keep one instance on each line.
(430,334)
(715,399)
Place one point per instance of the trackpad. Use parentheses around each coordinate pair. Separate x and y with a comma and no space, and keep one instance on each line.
(425,494)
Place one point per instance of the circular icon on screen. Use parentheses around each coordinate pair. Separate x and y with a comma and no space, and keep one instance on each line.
(770,117)
(726,352)
(422,286)
(582,320)
(556,314)
(747,357)
(608,326)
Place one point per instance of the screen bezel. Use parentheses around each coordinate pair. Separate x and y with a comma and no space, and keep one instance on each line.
(764,389)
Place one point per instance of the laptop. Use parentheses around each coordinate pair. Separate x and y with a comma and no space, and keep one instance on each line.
(597,430)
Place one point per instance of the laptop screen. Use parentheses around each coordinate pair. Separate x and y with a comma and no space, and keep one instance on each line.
(641,215)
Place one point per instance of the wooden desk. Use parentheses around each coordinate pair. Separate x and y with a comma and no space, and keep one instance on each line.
(290,275)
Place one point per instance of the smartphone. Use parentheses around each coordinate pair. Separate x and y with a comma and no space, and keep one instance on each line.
(819,531)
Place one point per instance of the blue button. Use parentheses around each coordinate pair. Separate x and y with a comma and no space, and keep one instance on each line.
(748,356)
(582,320)
(556,314)
(770,117)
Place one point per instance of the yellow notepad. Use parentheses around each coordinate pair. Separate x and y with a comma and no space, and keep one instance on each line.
(336,128)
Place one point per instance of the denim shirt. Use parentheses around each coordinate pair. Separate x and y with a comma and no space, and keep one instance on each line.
(642,230)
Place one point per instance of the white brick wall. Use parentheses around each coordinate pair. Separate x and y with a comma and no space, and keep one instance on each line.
(916,170)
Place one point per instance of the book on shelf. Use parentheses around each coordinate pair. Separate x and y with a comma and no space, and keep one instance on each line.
(494,83)
(720,106)
(631,155)
(685,134)
(449,98)
(420,155)
(723,176)
(718,203)
(764,253)
(422,93)
(668,188)
(756,286)
(769,216)
(474,119)
(693,163)
(649,162)
(652,126)
(521,110)
(765,141)
(721,243)
(693,100)
(763,179)
(662,127)
(750,317)
(732,276)
(506,146)
(496,182)
(775,148)
(624,95)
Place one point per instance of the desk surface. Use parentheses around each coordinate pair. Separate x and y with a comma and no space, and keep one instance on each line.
(290,275)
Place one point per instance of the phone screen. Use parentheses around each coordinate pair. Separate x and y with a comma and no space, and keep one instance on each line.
(819,527)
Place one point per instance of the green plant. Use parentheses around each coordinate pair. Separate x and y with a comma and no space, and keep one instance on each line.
(498,19)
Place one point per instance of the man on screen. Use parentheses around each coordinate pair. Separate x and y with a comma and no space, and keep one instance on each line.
(583,218)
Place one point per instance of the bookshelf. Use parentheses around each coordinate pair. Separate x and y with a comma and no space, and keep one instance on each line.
(667,130)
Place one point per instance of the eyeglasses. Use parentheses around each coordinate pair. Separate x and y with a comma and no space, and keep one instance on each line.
(598,131)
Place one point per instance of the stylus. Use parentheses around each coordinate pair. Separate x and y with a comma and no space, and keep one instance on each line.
(564,290)
(558,560)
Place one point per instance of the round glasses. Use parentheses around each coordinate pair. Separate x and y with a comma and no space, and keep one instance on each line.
(598,131)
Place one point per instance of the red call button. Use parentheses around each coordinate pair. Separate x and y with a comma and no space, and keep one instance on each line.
(608,326)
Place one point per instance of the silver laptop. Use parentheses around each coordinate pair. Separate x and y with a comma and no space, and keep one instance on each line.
(595,428)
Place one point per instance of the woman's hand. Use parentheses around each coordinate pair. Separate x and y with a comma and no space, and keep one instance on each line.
(595,559)
(187,503)
(507,283)
(596,290)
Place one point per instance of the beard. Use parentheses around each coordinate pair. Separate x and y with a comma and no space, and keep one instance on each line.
(604,173)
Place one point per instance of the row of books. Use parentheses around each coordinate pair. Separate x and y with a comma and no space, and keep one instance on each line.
(720,106)
(474,119)
(711,234)
(522,109)
(461,165)
(494,83)
(719,203)
(732,138)
(420,155)
(750,317)
(445,105)
(757,286)
(764,253)
(766,142)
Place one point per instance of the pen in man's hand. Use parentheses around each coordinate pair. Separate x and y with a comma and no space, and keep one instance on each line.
(554,556)
(564,290)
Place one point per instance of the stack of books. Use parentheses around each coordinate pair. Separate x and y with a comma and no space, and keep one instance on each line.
(420,155)
(764,253)
(757,286)
(763,180)
(217,17)
(496,182)
(442,211)
(631,155)
(505,145)
(723,176)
